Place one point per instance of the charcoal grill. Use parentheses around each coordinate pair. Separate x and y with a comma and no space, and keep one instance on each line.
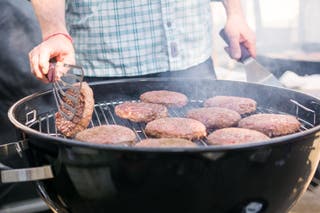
(266,176)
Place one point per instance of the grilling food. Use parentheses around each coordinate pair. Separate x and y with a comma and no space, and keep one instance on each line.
(215,117)
(165,97)
(165,142)
(83,115)
(228,136)
(141,112)
(107,134)
(176,128)
(271,124)
(238,104)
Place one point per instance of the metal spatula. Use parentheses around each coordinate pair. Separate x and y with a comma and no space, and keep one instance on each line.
(255,72)
(71,81)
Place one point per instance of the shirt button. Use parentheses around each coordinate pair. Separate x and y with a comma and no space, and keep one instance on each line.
(174,49)
(169,24)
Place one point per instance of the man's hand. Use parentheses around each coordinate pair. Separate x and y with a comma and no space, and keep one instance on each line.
(237,30)
(58,47)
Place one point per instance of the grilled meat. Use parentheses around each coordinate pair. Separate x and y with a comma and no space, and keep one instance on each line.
(234,135)
(271,124)
(165,142)
(107,134)
(165,97)
(141,112)
(238,104)
(176,128)
(215,117)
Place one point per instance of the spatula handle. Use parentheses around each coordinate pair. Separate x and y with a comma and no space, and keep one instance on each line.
(244,51)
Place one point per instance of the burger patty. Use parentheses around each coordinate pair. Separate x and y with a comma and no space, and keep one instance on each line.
(234,135)
(271,124)
(83,115)
(165,97)
(215,117)
(238,104)
(107,134)
(176,128)
(141,112)
(165,142)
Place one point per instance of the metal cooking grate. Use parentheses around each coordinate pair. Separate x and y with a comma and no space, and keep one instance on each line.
(104,114)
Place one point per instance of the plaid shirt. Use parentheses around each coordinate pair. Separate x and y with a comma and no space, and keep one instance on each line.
(130,38)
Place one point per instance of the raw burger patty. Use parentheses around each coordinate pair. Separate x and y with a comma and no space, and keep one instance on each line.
(176,128)
(238,104)
(165,97)
(107,134)
(83,115)
(235,136)
(271,124)
(141,112)
(215,117)
(165,142)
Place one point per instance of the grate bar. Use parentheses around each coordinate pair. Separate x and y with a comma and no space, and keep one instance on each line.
(103,113)
(97,116)
(55,127)
(108,108)
(47,123)
(40,123)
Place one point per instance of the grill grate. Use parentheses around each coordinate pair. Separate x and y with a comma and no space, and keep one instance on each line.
(104,114)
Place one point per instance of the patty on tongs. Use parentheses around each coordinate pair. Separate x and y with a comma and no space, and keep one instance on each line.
(83,115)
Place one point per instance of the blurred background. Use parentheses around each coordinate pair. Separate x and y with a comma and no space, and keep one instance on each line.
(288,39)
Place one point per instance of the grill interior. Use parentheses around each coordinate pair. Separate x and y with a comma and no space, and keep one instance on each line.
(104,114)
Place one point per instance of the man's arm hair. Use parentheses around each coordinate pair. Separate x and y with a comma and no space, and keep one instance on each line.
(51,16)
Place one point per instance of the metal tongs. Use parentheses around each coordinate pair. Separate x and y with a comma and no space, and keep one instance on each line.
(66,89)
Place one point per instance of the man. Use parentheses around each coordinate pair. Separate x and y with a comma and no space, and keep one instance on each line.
(134,38)
(19,33)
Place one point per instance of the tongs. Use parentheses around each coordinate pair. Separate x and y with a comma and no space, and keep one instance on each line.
(66,89)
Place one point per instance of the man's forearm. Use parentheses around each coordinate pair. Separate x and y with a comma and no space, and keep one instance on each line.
(51,16)
(233,7)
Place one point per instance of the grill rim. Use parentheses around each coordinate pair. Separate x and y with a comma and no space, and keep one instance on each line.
(72,142)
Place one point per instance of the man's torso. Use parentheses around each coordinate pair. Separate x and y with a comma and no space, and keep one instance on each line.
(130,38)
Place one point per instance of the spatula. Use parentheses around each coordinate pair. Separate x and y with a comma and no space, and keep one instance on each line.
(255,72)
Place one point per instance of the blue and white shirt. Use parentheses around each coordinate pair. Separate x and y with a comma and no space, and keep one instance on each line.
(130,38)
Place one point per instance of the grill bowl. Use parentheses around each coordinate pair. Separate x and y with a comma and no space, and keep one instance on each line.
(267,176)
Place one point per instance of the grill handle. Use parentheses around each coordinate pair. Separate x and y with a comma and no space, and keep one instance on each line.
(9,175)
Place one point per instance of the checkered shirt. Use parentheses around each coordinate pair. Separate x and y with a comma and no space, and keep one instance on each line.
(138,37)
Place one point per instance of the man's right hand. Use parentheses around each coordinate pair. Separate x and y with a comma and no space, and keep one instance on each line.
(58,47)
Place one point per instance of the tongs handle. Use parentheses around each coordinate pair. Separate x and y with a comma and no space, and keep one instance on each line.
(244,51)
(51,73)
